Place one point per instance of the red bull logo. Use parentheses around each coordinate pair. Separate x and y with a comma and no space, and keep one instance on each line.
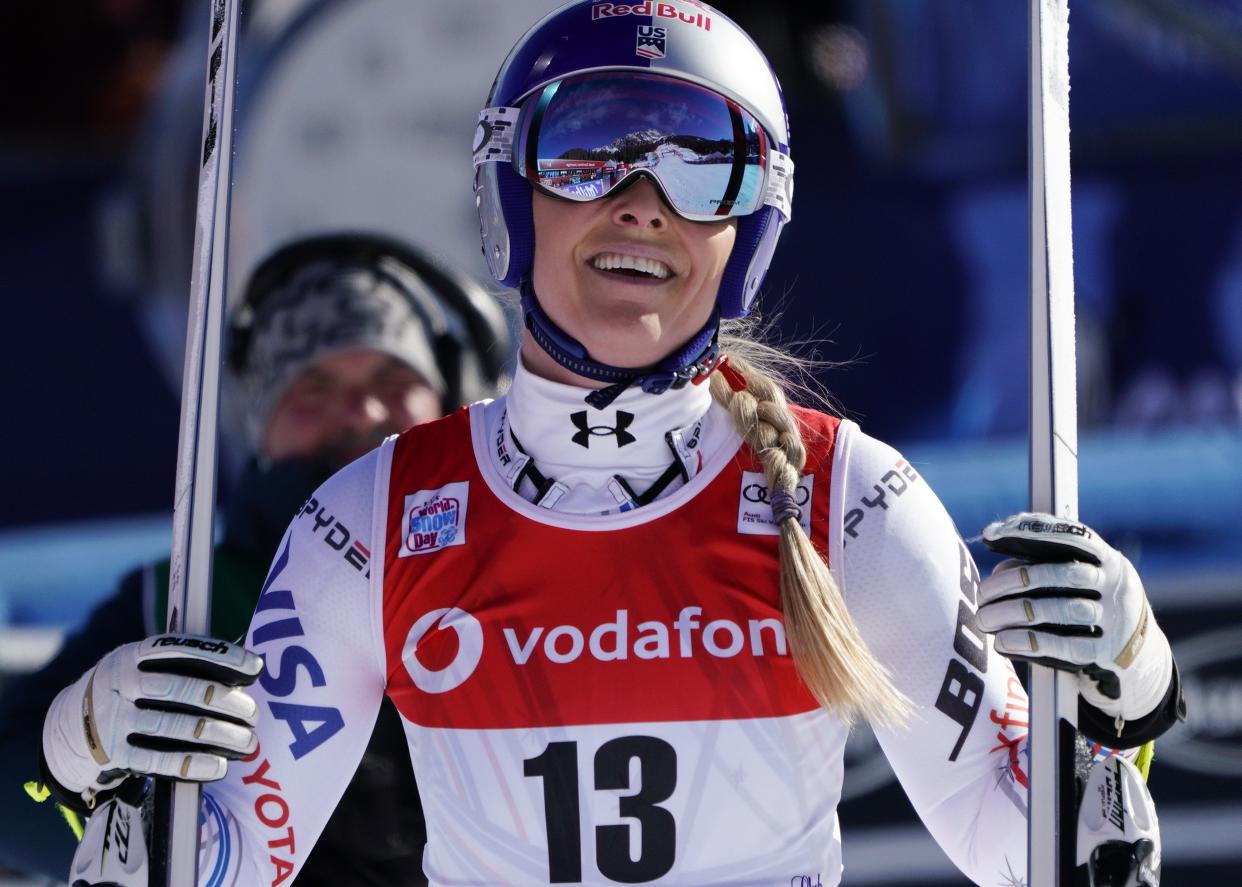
(655,10)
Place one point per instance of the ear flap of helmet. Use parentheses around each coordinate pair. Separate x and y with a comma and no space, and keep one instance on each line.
(506,224)
(493,233)
(748,263)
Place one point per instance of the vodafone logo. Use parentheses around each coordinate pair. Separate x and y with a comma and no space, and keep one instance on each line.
(687,635)
(469,650)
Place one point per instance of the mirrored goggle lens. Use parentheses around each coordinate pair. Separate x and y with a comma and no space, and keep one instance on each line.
(581,137)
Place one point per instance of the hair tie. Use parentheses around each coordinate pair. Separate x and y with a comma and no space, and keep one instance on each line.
(735,379)
(784,506)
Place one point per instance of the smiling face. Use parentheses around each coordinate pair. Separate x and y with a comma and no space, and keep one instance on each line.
(624,275)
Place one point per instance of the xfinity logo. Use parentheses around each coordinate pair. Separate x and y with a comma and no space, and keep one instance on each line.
(687,636)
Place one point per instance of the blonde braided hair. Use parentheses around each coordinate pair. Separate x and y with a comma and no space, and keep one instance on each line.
(825,644)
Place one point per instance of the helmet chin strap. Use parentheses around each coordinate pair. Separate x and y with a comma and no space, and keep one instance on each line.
(692,362)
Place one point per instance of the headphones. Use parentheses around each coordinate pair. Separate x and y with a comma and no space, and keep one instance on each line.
(465,325)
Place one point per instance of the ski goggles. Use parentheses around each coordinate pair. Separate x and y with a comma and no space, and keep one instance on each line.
(583,137)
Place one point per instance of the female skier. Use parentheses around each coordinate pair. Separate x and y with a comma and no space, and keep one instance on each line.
(603,602)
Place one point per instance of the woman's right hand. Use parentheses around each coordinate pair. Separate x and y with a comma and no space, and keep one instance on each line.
(170,705)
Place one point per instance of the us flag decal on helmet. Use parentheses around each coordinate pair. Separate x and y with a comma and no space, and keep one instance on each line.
(651,42)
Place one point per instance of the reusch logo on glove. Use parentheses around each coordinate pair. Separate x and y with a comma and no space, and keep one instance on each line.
(207,646)
(1040,526)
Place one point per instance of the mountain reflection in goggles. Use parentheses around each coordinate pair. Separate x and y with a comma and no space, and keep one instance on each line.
(583,136)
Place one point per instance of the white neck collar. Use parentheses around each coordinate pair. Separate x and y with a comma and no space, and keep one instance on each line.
(584,450)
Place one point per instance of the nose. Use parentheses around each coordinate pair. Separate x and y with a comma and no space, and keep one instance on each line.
(640,206)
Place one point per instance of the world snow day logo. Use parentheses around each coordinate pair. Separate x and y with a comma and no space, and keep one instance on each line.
(435,519)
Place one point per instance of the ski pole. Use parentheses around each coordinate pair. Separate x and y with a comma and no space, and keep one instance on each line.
(174,850)
(1053,427)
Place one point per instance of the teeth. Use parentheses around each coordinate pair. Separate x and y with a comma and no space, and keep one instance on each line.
(611,261)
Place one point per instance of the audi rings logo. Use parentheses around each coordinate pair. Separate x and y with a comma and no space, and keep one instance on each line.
(1210,739)
(754,512)
(759,493)
(469,650)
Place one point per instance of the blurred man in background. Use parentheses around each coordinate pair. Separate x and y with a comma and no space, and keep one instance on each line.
(338,342)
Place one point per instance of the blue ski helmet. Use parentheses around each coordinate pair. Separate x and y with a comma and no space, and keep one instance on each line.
(694,43)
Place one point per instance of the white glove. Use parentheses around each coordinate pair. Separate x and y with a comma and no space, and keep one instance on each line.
(170,705)
(1068,600)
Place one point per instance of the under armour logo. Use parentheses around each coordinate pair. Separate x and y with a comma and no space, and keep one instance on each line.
(585,432)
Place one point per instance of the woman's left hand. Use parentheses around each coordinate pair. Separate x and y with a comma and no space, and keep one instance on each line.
(1066,599)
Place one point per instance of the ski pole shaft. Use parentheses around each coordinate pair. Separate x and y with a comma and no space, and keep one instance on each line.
(1053,426)
(174,858)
